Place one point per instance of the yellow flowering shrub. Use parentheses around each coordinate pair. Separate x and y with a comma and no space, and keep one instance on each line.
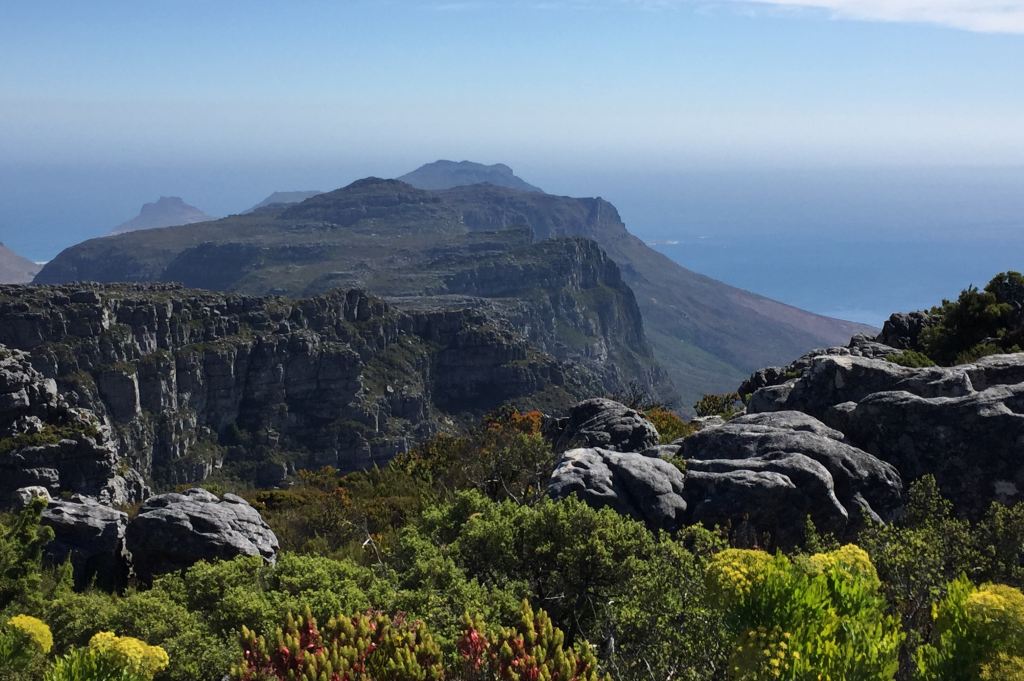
(976,629)
(763,653)
(130,653)
(1003,668)
(849,559)
(732,573)
(823,617)
(35,629)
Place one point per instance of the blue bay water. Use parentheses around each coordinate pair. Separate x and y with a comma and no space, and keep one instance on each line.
(858,280)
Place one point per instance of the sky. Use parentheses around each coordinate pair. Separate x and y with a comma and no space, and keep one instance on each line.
(105,105)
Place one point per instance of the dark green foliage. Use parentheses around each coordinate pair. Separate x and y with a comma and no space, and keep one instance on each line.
(726,405)
(22,539)
(911,358)
(979,322)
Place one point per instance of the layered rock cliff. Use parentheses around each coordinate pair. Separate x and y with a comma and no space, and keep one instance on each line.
(190,381)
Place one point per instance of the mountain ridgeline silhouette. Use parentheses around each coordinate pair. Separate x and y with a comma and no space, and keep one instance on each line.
(564,270)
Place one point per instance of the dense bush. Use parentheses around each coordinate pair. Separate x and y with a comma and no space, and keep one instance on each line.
(822,617)
(911,358)
(976,630)
(534,649)
(670,425)
(979,322)
(726,405)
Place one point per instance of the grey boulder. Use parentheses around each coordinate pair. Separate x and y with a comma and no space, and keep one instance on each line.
(605,424)
(92,537)
(175,531)
(646,488)
(964,424)
(771,471)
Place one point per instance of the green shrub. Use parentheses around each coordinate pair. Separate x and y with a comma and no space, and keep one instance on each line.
(725,405)
(911,358)
(670,425)
(22,539)
(979,322)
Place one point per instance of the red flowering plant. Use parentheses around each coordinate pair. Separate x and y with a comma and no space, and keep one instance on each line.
(366,647)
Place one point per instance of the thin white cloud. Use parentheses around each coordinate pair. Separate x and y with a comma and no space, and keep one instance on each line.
(987,16)
(983,16)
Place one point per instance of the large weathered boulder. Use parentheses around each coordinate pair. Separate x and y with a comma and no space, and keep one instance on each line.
(604,424)
(964,424)
(44,442)
(174,531)
(859,346)
(647,488)
(92,536)
(759,475)
(773,470)
(903,329)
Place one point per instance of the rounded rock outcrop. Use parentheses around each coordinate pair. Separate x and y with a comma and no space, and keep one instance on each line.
(605,424)
(174,531)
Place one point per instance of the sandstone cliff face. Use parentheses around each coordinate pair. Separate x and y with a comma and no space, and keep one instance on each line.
(187,381)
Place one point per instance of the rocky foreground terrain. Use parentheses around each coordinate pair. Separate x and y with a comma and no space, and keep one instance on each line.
(835,436)
(107,390)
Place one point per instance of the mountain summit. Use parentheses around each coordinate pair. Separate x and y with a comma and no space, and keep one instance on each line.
(167,211)
(448,174)
(15,269)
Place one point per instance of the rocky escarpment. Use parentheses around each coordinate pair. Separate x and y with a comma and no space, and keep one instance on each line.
(509,249)
(177,383)
(964,424)
(759,476)
(45,442)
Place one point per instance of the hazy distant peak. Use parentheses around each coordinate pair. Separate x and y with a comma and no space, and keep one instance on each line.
(285,199)
(167,211)
(448,174)
(15,269)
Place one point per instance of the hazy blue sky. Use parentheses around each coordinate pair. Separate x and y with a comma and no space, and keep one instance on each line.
(105,105)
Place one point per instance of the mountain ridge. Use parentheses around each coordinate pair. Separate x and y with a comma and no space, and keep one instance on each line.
(402,242)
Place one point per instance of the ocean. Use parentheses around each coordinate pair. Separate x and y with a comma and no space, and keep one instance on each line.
(857,280)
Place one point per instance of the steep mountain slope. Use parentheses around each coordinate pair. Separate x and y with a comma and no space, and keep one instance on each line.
(188,381)
(284,199)
(708,335)
(414,247)
(15,269)
(164,212)
(448,174)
